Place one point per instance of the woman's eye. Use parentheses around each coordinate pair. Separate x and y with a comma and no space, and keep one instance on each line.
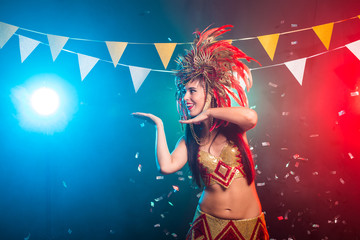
(192,91)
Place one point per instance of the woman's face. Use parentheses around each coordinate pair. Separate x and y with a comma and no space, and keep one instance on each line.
(194,97)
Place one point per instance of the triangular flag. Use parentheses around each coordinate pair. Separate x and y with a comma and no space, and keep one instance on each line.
(354,47)
(6,31)
(297,68)
(165,51)
(86,63)
(116,50)
(138,76)
(56,44)
(27,45)
(324,32)
(269,42)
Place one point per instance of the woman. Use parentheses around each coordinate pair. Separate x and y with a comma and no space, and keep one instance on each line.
(208,80)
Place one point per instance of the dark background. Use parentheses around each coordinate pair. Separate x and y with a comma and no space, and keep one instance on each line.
(84,183)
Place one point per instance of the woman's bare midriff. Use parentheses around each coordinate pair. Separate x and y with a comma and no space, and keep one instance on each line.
(239,201)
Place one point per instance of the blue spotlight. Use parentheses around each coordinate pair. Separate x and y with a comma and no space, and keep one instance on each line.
(45,101)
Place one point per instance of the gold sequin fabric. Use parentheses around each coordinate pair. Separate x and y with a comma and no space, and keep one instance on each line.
(222,169)
(208,227)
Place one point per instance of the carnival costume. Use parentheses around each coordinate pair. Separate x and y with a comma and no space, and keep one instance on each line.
(218,64)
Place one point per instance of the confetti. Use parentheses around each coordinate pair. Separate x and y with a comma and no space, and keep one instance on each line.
(287,165)
(333,172)
(284,149)
(353,94)
(294,42)
(297,179)
(342,112)
(69,231)
(342,181)
(180,173)
(169,39)
(159,199)
(280,218)
(285,113)
(297,164)
(157,225)
(276,177)
(198,195)
(315,173)
(296,156)
(174,235)
(162,215)
(152,204)
(287,175)
(181,179)
(27,237)
(294,25)
(351,156)
(314,135)
(176,188)
(315,226)
(260,184)
(139,168)
(137,155)
(159,177)
(265,144)
(142,125)
(253,107)
(64,184)
(272,84)
(171,204)
(283,95)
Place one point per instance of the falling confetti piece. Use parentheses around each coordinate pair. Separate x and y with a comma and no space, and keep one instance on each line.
(285,113)
(342,112)
(287,165)
(276,177)
(198,195)
(142,125)
(315,173)
(294,42)
(284,149)
(315,226)
(69,231)
(64,184)
(287,175)
(253,107)
(162,215)
(171,204)
(159,177)
(27,237)
(273,85)
(137,155)
(152,204)
(139,168)
(297,164)
(342,181)
(296,156)
(297,179)
(169,39)
(157,225)
(176,188)
(353,94)
(265,144)
(159,199)
(283,95)
(351,156)
(180,173)
(294,25)
(280,218)
(333,172)
(181,179)
(260,184)
(174,235)
(314,135)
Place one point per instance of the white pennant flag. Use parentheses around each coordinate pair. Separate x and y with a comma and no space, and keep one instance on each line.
(86,63)
(354,47)
(6,31)
(116,49)
(27,45)
(297,68)
(56,44)
(138,75)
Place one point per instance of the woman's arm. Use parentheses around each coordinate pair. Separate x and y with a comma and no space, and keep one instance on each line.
(244,117)
(167,163)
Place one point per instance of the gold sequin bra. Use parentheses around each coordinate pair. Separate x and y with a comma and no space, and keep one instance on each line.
(223,169)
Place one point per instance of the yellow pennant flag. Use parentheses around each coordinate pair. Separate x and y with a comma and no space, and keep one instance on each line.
(116,49)
(324,32)
(165,51)
(269,42)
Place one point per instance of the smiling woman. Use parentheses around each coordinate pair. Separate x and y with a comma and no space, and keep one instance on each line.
(215,145)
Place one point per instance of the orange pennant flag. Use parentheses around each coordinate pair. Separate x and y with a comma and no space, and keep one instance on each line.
(269,42)
(165,51)
(116,49)
(324,32)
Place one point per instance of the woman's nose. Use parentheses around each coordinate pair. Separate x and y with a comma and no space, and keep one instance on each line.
(186,96)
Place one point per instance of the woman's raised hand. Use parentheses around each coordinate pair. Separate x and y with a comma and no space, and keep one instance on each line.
(148,116)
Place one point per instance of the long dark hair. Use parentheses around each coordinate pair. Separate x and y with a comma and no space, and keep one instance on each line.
(233,133)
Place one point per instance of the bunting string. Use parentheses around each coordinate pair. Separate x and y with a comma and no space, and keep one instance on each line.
(165,50)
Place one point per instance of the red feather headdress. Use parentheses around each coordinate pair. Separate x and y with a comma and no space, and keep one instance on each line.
(217,63)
